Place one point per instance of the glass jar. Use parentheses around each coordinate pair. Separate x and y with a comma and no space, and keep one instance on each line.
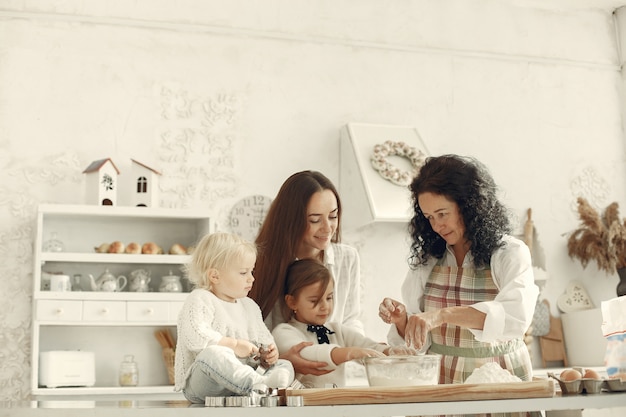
(129,373)
(53,244)
(170,283)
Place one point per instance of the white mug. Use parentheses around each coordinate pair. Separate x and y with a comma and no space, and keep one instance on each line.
(60,283)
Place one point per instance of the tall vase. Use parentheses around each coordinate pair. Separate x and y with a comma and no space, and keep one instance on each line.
(621,287)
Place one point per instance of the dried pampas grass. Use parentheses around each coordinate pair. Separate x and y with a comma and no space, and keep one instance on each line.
(599,238)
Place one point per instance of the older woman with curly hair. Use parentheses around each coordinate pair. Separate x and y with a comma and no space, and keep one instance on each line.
(470,293)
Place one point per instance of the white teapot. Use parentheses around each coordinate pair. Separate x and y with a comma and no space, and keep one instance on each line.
(108,282)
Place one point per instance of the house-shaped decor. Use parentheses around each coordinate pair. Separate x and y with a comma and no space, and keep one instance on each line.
(101,183)
(145,190)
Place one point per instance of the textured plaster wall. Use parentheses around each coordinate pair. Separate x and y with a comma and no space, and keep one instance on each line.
(228,98)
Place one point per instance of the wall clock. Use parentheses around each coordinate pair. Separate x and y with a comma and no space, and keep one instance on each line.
(247,215)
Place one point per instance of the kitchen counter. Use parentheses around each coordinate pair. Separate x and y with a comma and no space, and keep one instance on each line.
(604,400)
(605,404)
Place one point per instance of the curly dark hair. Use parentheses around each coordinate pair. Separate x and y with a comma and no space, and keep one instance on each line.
(467,182)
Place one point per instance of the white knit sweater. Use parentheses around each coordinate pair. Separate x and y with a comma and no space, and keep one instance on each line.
(205,319)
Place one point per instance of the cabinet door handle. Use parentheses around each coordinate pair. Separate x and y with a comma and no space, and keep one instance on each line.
(149,311)
(59,311)
(104,311)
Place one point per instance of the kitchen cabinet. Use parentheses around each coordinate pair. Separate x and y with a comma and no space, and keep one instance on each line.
(110,324)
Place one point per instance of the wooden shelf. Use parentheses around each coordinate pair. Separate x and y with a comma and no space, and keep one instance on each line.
(113,258)
(74,210)
(89,395)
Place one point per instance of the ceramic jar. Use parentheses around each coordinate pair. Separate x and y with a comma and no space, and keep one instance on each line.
(170,283)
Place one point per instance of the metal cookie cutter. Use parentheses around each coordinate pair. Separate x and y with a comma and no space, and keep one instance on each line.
(214,401)
(237,401)
(269,401)
(295,401)
(258,392)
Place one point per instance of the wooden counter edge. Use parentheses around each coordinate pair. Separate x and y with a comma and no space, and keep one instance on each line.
(424,393)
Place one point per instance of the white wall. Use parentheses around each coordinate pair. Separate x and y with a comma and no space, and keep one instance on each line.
(228,98)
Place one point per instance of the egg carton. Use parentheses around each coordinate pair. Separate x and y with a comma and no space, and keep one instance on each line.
(589,385)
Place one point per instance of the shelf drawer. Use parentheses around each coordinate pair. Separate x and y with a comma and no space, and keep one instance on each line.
(103,311)
(148,311)
(175,307)
(59,310)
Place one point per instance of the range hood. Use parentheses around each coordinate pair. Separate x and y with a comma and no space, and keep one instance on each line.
(366,196)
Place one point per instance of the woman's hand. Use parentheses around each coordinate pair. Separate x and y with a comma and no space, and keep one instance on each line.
(393,312)
(418,326)
(301,365)
(400,351)
(268,356)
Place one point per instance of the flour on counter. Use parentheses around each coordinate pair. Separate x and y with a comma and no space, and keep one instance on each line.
(491,372)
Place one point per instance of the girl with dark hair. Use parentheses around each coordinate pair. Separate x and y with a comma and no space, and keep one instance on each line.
(309,301)
(304,221)
(470,293)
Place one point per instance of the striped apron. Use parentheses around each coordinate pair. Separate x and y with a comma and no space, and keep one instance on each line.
(460,352)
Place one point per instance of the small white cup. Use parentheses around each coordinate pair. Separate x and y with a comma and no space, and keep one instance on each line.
(60,283)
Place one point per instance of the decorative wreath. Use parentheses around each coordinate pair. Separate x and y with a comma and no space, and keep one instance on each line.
(391,172)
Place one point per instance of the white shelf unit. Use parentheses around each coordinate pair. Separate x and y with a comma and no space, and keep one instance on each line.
(110,324)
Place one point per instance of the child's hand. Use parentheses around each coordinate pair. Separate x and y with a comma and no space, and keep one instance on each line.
(360,353)
(340,355)
(244,348)
(268,355)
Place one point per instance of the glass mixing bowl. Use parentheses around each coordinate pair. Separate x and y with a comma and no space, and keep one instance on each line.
(392,371)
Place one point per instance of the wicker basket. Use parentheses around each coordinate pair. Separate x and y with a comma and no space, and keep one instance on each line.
(169,356)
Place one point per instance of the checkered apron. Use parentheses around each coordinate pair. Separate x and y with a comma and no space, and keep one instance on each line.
(461,353)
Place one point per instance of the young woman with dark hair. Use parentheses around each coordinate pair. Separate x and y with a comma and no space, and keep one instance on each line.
(304,221)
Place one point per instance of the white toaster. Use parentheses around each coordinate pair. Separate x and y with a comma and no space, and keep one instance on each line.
(67,368)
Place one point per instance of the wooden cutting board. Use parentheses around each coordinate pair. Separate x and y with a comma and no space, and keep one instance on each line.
(424,393)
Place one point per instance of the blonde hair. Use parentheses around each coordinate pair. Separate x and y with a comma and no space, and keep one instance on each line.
(216,251)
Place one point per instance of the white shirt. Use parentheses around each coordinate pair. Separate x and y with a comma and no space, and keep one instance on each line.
(344,264)
(294,332)
(205,319)
(509,315)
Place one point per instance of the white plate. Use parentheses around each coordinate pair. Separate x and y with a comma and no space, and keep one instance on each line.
(575,298)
